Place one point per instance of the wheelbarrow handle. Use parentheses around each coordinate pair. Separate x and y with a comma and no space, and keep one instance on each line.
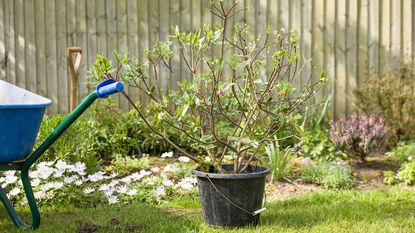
(109,87)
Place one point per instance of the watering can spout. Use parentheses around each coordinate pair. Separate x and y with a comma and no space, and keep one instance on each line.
(109,87)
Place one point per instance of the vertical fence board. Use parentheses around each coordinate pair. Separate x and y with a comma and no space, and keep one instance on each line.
(351,52)
(407,30)
(41,74)
(143,34)
(396,32)
(30,46)
(63,79)
(19,43)
(132,39)
(82,41)
(385,36)
(319,30)
(3,57)
(51,55)
(362,59)
(330,50)
(373,40)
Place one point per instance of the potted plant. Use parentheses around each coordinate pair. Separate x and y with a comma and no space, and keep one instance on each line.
(234,102)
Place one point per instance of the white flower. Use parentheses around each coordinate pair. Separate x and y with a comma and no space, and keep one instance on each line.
(160,116)
(78,182)
(167,154)
(108,192)
(79,168)
(110,176)
(160,191)
(9,173)
(112,200)
(197,101)
(104,187)
(44,171)
(187,183)
(96,177)
(126,180)
(39,195)
(2,179)
(14,192)
(113,183)
(61,165)
(410,158)
(208,159)
(170,168)
(88,190)
(70,179)
(10,179)
(58,173)
(35,182)
(145,173)
(167,182)
(57,185)
(184,159)
(33,174)
(136,176)
(155,169)
(122,189)
(132,192)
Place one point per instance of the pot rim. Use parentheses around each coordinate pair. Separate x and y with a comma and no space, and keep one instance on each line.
(263,171)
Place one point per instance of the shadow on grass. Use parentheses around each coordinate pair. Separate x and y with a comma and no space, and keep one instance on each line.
(132,218)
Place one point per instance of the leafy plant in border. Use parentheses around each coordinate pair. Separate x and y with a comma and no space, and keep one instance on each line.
(404,152)
(391,95)
(331,175)
(278,159)
(406,173)
(234,89)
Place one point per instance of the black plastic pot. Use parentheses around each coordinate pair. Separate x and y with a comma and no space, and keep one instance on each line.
(230,200)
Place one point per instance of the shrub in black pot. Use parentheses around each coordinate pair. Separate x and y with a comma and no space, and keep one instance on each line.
(232,103)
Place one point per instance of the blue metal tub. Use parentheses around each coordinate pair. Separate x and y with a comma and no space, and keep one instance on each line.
(21,113)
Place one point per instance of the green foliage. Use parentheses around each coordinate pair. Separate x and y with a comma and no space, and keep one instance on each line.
(278,159)
(391,96)
(389,178)
(97,139)
(406,173)
(316,144)
(329,174)
(404,152)
(315,141)
(123,165)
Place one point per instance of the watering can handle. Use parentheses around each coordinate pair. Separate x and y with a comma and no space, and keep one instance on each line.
(109,87)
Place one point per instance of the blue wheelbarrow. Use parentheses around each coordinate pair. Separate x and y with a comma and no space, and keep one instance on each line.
(21,113)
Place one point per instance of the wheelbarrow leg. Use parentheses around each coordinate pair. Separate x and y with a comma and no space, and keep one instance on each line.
(32,204)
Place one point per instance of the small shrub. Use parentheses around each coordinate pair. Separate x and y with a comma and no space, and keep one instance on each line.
(331,175)
(278,159)
(389,178)
(391,95)
(317,145)
(406,173)
(359,135)
(403,152)
(126,164)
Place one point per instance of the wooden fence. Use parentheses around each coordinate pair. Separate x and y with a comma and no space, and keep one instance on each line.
(351,39)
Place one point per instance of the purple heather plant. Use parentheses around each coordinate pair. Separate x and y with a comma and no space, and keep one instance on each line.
(358,135)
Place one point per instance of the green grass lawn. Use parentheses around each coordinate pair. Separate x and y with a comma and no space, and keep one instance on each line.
(346,211)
